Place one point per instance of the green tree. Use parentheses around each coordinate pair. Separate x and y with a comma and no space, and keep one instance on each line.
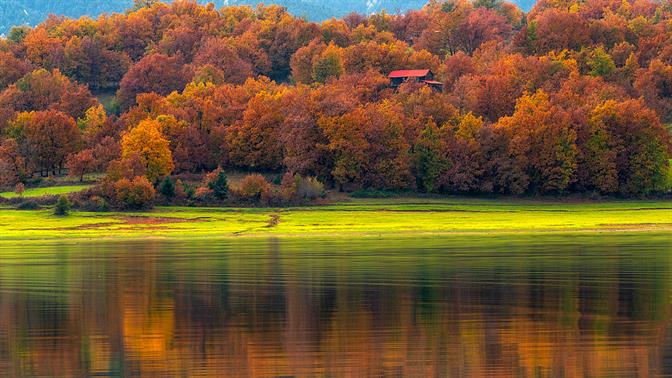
(62,206)
(427,158)
(600,63)
(139,4)
(219,184)
(328,65)
(167,188)
(18,33)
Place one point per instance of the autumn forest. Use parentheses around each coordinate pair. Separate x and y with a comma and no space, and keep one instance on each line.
(572,97)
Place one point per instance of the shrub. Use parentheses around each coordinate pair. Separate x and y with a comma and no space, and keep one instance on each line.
(217,182)
(310,188)
(167,188)
(134,195)
(181,190)
(28,205)
(297,188)
(96,204)
(288,187)
(252,187)
(204,195)
(62,206)
(19,189)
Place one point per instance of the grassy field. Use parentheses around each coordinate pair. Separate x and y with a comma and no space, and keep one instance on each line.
(389,217)
(52,190)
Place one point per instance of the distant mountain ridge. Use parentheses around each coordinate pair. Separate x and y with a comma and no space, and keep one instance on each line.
(32,12)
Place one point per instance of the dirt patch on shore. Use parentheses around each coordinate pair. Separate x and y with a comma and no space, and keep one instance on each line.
(275,219)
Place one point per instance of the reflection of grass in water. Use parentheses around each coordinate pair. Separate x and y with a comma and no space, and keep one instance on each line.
(372,218)
(53,190)
(565,266)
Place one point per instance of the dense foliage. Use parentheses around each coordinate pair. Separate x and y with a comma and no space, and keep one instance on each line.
(572,97)
(32,12)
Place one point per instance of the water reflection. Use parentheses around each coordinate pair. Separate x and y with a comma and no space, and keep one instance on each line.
(551,306)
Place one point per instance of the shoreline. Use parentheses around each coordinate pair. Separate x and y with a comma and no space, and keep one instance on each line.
(358,218)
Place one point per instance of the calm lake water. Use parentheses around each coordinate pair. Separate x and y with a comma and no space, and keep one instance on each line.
(572,306)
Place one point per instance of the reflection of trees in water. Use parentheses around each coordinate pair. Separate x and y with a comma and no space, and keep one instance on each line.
(271,310)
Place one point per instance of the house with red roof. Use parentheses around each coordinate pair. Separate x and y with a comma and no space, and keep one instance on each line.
(418,76)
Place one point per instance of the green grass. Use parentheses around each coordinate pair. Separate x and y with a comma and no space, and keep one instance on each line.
(52,190)
(387,217)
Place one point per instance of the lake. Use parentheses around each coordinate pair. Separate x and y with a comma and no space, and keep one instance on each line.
(563,305)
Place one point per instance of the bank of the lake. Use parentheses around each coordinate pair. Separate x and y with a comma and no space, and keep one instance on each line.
(370,217)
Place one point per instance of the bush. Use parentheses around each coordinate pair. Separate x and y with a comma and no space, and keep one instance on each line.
(181,190)
(167,188)
(217,182)
(19,189)
(28,205)
(96,204)
(62,206)
(134,195)
(296,188)
(310,188)
(204,195)
(252,187)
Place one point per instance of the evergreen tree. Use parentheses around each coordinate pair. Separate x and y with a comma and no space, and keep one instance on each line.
(62,206)
(219,185)
(167,188)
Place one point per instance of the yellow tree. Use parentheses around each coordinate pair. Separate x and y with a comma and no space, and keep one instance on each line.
(148,142)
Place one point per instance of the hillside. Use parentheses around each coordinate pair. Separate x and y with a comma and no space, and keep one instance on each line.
(32,12)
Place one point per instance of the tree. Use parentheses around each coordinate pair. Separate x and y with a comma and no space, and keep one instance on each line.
(12,68)
(87,60)
(222,55)
(328,65)
(140,4)
(370,148)
(18,33)
(81,163)
(157,73)
(302,139)
(252,187)
(19,189)
(481,25)
(218,183)
(557,29)
(46,138)
(600,63)
(427,158)
(136,194)
(12,163)
(62,206)
(43,90)
(302,61)
(542,145)
(655,85)
(151,146)
(167,188)
(632,135)
(93,123)
(253,142)
(463,170)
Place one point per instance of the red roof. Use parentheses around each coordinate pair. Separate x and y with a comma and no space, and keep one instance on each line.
(408,73)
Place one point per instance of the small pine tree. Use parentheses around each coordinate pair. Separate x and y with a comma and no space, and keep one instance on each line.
(62,206)
(167,188)
(219,185)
